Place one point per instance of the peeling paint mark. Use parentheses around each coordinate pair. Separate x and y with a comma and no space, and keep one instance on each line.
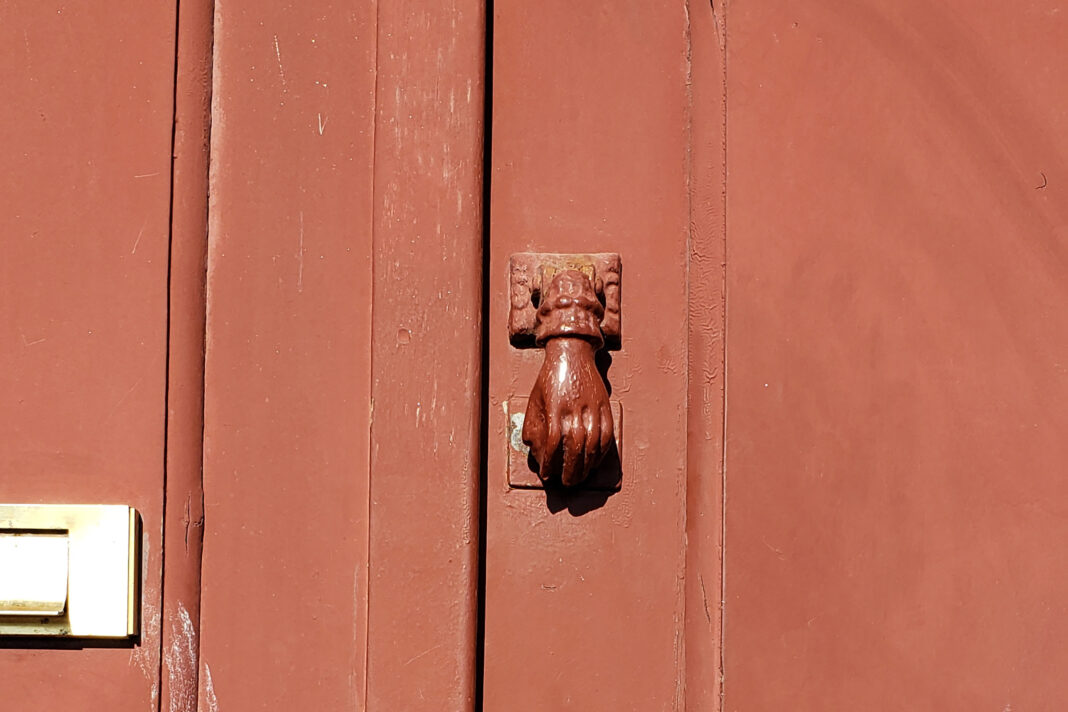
(209,690)
(186,521)
(182,662)
(147,656)
(679,679)
(515,436)
(704,598)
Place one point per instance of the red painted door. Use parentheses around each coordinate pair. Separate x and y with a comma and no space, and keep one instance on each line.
(838,383)
(217,365)
(341,418)
(896,224)
(878,185)
(87,119)
(586,598)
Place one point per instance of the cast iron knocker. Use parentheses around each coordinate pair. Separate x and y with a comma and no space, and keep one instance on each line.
(568,423)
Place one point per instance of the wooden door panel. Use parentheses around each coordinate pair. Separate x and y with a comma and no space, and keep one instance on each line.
(896,218)
(343,357)
(422,580)
(584,594)
(896,387)
(86,117)
(184,488)
(288,357)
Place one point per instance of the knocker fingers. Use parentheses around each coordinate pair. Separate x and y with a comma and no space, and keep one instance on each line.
(606,433)
(575,465)
(591,425)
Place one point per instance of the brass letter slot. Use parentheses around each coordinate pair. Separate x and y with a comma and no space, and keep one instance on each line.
(69,570)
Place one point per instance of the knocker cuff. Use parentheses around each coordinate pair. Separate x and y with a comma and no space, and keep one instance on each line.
(575,315)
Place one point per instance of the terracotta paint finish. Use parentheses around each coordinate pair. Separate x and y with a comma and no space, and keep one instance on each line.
(184,511)
(584,592)
(705,367)
(898,215)
(426,349)
(86,115)
(311,568)
(288,357)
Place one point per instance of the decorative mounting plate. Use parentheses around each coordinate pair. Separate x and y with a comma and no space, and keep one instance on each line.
(530,271)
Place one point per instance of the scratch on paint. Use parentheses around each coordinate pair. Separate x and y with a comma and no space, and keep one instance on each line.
(426,652)
(281,71)
(300,255)
(322,123)
(139,234)
(126,395)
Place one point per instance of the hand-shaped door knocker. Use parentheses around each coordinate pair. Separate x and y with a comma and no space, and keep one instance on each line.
(568,422)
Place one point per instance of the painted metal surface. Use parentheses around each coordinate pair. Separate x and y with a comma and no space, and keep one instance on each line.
(897,215)
(523,471)
(569,306)
(568,423)
(529,276)
(86,115)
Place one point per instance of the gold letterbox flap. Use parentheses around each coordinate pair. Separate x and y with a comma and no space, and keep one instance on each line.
(33,573)
(69,570)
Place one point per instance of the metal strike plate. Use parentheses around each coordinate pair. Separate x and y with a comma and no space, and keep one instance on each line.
(528,271)
(522,470)
(69,570)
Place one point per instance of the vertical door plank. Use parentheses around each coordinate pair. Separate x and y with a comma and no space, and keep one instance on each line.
(427,352)
(288,356)
(86,116)
(340,561)
(898,272)
(184,505)
(585,596)
(706,351)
